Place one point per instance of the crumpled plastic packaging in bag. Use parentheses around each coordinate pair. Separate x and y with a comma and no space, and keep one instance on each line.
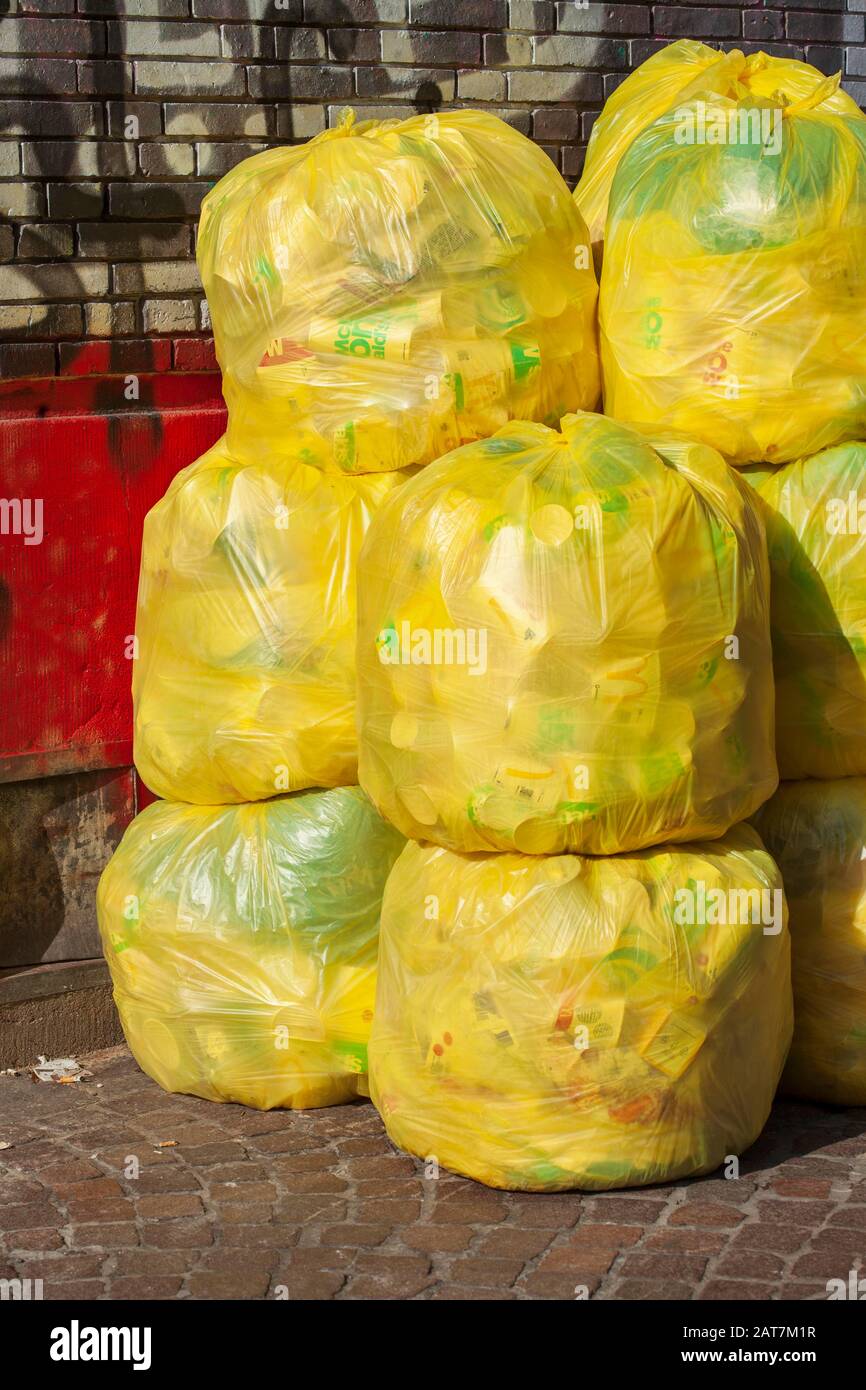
(552,1023)
(816,832)
(244,685)
(733,295)
(242,945)
(390,290)
(563,644)
(670,78)
(816,534)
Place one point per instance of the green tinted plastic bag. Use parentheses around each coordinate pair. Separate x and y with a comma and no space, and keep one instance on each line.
(242,944)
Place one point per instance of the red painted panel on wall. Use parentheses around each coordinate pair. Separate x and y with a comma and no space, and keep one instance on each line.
(79,468)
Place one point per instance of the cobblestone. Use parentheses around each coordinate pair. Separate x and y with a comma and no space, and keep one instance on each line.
(318,1205)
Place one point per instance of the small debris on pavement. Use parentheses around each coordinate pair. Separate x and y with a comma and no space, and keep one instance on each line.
(64,1070)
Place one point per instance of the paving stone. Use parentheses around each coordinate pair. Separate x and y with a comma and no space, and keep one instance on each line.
(319,1205)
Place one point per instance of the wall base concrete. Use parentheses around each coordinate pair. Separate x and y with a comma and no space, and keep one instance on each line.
(56,1011)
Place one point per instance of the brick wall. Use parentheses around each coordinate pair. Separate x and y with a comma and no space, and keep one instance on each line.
(117,115)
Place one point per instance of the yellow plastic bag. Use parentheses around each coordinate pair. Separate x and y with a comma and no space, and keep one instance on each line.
(563,643)
(733,296)
(392,289)
(816,533)
(671,75)
(244,685)
(816,832)
(675,75)
(548,1023)
(242,945)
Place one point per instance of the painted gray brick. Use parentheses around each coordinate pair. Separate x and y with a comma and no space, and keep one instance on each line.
(508,50)
(215,160)
(109,319)
(157,277)
(158,9)
(51,36)
(300,121)
(826,28)
(27,282)
(148,115)
(36,77)
(388,81)
(165,79)
(69,118)
(571,51)
(354,45)
(76,199)
(299,82)
(111,77)
(535,16)
(552,123)
(428,46)
(764,24)
(41,320)
(72,158)
(331,12)
(602,19)
(45,241)
(157,200)
(124,241)
(698,22)
(478,85)
(220,118)
(163,39)
(257,11)
(551,85)
(300,43)
(459,14)
(165,157)
(825,57)
(247,41)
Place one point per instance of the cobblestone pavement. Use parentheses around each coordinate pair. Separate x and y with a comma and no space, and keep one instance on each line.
(321,1204)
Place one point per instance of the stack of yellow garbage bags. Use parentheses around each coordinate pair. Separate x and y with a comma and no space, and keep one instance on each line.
(816,533)
(563,644)
(378,295)
(390,290)
(733,294)
(538,638)
(242,944)
(244,687)
(816,832)
(556,1022)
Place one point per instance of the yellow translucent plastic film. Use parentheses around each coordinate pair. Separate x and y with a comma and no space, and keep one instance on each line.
(816,533)
(672,77)
(550,1023)
(244,685)
(390,290)
(733,295)
(816,831)
(242,945)
(563,643)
